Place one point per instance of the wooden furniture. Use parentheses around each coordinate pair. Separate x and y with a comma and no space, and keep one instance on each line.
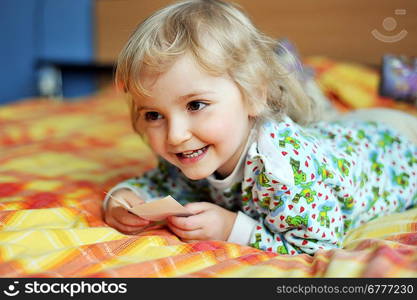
(338,29)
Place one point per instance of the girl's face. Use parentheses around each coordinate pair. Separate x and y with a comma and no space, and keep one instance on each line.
(197,122)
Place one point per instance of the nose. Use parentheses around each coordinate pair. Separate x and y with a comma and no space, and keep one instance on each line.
(178,131)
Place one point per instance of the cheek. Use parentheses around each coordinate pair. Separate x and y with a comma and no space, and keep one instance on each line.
(155,139)
(226,127)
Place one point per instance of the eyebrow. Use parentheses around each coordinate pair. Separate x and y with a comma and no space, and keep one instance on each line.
(180,99)
(193,94)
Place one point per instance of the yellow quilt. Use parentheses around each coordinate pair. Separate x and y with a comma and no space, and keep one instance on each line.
(57,160)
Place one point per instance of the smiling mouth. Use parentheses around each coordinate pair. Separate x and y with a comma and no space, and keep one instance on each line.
(193,153)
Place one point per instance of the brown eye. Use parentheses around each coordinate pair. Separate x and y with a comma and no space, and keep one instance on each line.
(152,116)
(196,105)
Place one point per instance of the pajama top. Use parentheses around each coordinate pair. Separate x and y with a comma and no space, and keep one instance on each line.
(300,189)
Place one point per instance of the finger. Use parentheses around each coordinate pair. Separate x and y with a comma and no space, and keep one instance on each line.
(185,234)
(130,230)
(122,216)
(185,223)
(198,207)
(125,197)
(123,228)
(131,198)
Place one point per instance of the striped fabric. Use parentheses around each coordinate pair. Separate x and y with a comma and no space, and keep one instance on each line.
(57,160)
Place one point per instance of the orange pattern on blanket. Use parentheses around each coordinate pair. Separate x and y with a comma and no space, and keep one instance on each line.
(57,160)
(66,154)
(352,86)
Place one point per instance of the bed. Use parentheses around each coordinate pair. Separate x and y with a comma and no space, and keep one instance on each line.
(58,159)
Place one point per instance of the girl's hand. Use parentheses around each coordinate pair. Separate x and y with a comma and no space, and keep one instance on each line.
(120,218)
(209,222)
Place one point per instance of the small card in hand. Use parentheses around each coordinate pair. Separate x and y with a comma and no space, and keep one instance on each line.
(157,209)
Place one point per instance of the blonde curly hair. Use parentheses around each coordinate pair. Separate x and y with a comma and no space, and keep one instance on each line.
(236,48)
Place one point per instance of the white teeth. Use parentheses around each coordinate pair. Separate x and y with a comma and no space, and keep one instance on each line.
(191,154)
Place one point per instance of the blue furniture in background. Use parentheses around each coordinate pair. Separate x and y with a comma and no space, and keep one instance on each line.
(39,34)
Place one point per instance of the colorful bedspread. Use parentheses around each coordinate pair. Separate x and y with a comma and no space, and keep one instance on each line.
(57,160)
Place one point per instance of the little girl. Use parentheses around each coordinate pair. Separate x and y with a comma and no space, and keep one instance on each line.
(239,141)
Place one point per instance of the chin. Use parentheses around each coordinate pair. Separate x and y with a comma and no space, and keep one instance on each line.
(196,174)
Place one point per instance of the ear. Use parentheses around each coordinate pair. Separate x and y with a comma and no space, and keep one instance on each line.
(258,104)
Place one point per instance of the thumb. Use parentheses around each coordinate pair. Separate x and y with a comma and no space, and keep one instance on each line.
(197,207)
